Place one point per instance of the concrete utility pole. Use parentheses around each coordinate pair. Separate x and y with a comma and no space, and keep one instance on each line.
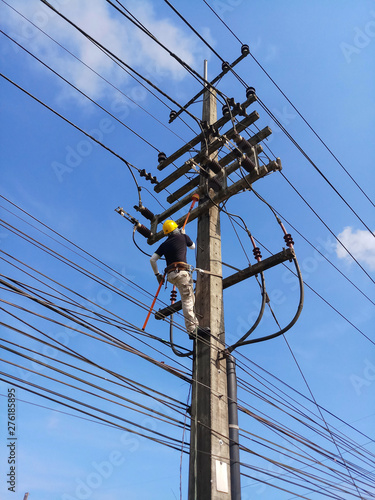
(209,476)
(213,449)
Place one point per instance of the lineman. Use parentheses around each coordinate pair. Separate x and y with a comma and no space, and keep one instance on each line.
(174,250)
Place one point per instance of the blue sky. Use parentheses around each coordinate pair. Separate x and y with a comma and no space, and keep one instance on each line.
(321,55)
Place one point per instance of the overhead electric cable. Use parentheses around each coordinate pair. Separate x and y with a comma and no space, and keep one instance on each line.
(127,383)
(15,381)
(268,111)
(85,252)
(149,413)
(330,230)
(119,60)
(295,143)
(95,72)
(68,121)
(81,92)
(293,106)
(313,246)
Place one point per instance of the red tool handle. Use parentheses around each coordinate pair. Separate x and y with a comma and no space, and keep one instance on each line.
(194,198)
(153,303)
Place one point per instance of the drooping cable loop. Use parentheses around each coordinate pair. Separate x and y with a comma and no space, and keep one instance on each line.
(289,325)
(258,319)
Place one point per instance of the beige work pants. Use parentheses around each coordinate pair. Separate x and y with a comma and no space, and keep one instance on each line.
(184,284)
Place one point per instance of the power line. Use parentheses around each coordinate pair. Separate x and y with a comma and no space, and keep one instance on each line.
(81,92)
(95,72)
(293,106)
(117,59)
(268,111)
(66,120)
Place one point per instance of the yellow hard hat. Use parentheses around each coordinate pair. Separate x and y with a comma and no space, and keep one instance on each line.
(169,226)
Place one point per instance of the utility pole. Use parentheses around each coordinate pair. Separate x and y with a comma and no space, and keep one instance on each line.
(209,476)
(214,466)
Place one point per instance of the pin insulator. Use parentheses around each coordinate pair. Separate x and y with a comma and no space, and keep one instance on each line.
(225,110)
(257,254)
(249,92)
(161,157)
(214,165)
(225,66)
(289,240)
(247,164)
(172,115)
(245,50)
(143,230)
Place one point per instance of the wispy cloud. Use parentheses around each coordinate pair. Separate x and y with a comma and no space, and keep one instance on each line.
(107,26)
(360,243)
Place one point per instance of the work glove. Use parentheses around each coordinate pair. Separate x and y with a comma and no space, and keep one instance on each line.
(159,277)
(182,231)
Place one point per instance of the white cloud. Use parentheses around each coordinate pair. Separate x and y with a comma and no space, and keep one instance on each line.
(360,243)
(106,25)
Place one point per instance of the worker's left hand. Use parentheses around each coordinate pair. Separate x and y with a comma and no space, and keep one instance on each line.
(182,230)
(159,277)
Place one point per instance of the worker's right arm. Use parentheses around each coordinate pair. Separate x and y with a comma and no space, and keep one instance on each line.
(153,261)
(154,266)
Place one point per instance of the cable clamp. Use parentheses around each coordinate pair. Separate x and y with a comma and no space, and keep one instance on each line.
(203,271)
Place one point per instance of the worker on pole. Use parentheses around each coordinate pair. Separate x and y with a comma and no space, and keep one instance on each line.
(178,271)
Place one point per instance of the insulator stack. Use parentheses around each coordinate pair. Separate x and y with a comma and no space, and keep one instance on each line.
(225,110)
(214,165)
(204,172)
(148,176)
(161,157)
(289,240)
(249,92)
(225,66)
(143,230)
(247,164)
(242,144)
(145,212)
(172,116)
(173,296)
(245,50)
(257,254)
